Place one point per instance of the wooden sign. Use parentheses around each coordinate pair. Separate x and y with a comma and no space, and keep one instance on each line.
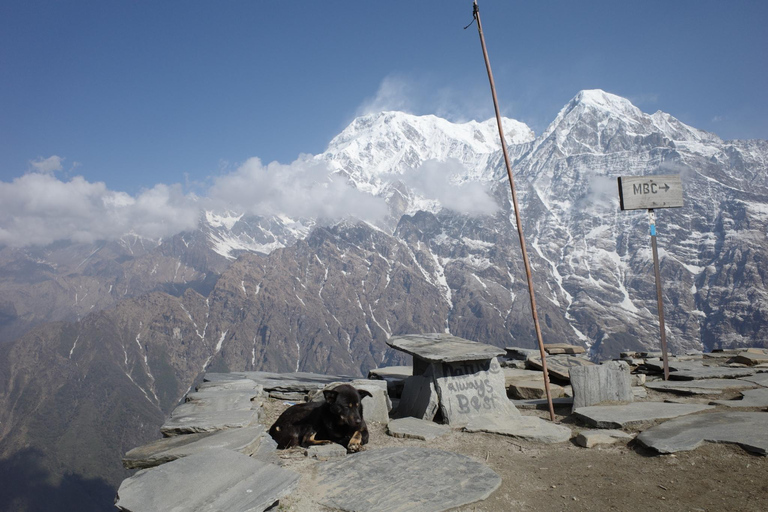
(650,192)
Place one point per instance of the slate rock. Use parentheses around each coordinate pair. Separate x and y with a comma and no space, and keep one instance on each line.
(711,372)
(244,440)
(591,438)
(522,354)
(542,404)
(700,387)
(471,389)
(443,348)
(419,398)
(533,388)
(747,429)
(291,382)
(394,376)
(634,414)
(563,348)
(751,357)
(218,479)
(530,428)
(609,382)
(750,398)
(326,451)
(403,478)
(415,428)
(559,366)
(761,379)
(186,421)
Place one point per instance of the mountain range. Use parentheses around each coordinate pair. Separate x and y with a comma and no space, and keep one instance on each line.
(100,341)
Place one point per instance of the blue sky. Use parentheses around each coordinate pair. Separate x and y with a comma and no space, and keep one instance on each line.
(140,93)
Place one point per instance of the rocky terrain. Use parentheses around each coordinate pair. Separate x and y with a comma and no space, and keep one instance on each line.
(98,342)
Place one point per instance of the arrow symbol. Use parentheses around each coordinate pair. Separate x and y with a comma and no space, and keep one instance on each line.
(666,187)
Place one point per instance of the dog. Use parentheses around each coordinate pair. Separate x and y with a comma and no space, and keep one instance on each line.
(339,419)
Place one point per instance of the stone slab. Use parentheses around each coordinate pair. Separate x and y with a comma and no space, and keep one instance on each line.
(293,382)
(761,379)
(187,422)
(533,388)
(750,398)
(700,387)
(591,438)
(746,429)
(634,414)
(242,385)
(470,390)
(403,478)
(609,382)
(711,372)
(559,366)
(530,428)
(326,451)
(419,398)
(416,429)
(563,348)
(216,480)
(394,376)
(541,403)
(751,357)
(522,354)
(513,374)
(244,440)
(443,348)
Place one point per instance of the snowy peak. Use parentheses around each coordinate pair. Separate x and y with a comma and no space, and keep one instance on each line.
(393,142)
(595,121)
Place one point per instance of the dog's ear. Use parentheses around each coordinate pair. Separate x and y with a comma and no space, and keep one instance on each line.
(330,395)
(363,393)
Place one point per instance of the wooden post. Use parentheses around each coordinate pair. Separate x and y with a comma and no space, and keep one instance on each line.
(659,300)
(476,14)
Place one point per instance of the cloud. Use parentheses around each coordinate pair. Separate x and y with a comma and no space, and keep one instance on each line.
(38,209)
(47,165)
(305,188)
(439,180)
(394,93)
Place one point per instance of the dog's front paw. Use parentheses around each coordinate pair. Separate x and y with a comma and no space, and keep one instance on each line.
(353,447)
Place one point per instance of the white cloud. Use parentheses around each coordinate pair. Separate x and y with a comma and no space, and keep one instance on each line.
(394,93)
(304,188)
(438,180)
(38,209)
(47,165)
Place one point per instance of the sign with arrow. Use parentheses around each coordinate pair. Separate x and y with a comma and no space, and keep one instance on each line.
(648,192)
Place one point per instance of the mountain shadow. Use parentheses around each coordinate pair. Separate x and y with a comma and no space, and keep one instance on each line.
(29,486)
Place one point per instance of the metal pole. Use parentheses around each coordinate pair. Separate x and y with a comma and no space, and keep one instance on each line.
(476,14)
(659,300)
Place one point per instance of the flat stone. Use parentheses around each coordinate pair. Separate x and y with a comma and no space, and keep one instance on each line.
(416,429)
(559,366)
(700,387)
(516,374)
(394,376)
(711,372)
(750,398)
(639,392)
(609,382)
(761,379)
(634,414)
(522,354)
(470,390)
(242,385)
(529,428)
(533,388)
(218,479)
(376,407)
(419,398)
(637,379)
(542,404)
(590,438)
(751,357)
(443,348)
(746,429)
(403,478)
(326,451)
(211,415)
(245,440)
(563,348)
(293,382)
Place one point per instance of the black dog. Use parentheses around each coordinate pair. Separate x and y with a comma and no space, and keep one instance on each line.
(339,419)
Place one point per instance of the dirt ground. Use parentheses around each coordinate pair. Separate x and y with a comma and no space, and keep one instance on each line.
(566,477)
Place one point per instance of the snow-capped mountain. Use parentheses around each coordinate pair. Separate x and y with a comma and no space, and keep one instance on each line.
(131,323)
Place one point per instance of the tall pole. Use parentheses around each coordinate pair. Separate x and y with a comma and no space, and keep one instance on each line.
(659,301)
(476,14)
